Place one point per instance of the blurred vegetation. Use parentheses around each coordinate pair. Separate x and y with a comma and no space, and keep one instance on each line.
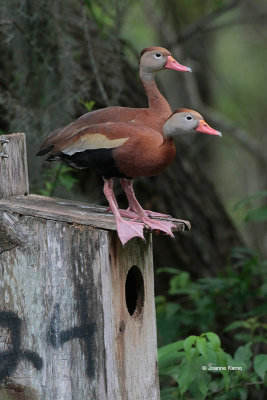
(197,305)
(198,368)
(60,59)
(237,294)
(56,176)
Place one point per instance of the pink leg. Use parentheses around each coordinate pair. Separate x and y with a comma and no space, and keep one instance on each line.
(134,205)
(124,213)
(113,197)
(130,210)
(129,213)
(126,229)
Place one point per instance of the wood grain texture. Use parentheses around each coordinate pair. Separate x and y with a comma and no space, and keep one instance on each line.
(65,328)
(68,211)
(132,356)
(12,391)
(13,169)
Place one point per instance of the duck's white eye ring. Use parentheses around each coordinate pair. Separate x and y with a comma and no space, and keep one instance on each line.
(189,117)
(158,56)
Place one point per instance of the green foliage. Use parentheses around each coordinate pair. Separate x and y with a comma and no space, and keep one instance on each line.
(198,305)
(97,11)
(247,200)
(259,214)
(198,368)
(107,14)
(260,365)
(250,329)
(239,290)
(55,176)
(88,104)
(253,213)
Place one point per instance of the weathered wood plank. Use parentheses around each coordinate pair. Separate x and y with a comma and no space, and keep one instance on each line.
(66,210)
(134,342)
(65,327)
(13,166)
(50,299)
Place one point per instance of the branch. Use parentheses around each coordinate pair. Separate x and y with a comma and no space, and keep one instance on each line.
(232,22)
(201,24)
(92,57)
(6,22)
(242,136)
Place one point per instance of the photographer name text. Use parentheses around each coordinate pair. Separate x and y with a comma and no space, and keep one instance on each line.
(228,368)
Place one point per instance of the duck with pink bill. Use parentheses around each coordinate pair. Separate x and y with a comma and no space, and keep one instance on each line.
(129,150)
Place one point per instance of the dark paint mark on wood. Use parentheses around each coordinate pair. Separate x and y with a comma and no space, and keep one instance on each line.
(10,359)
(57,337)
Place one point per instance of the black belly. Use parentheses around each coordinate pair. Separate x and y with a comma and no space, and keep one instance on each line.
(101,160)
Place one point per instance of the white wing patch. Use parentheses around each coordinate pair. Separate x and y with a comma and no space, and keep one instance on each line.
(93,141)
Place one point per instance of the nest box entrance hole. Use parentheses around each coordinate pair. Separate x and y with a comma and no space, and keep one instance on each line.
(134,291)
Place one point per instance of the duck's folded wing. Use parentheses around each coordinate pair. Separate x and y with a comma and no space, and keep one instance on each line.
(109,114)
(104,136)
(99,136)
(90,141)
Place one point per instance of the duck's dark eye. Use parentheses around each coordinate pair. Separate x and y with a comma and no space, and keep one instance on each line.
(188,117)
(158,55)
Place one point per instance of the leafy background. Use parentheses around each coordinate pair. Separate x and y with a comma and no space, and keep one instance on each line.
(61,59)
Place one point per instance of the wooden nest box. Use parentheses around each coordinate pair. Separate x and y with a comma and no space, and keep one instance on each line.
(77,314)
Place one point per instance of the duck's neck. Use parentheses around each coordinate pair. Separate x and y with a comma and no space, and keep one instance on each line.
(156,102)
(168,141)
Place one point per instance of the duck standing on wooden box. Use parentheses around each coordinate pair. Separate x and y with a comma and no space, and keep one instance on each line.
(153,59)
(127,150)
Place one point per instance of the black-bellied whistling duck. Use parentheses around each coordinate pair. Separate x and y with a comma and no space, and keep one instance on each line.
(153,59)
(127,151)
